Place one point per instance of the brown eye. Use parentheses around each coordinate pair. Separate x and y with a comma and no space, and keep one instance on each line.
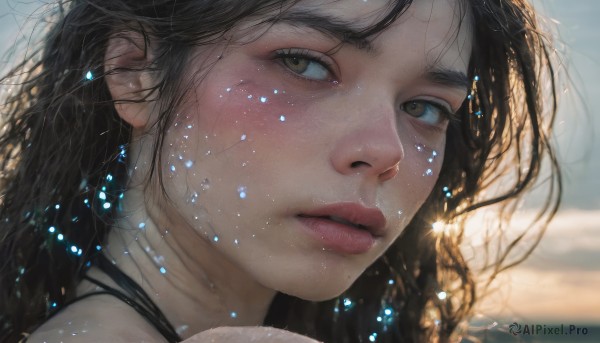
(426,111)
(296,64)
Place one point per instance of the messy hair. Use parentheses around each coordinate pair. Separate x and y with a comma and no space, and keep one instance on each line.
(62,138)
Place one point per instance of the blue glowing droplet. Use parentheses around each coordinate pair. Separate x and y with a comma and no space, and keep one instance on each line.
(428,172)
(89,76)
(215,238)
(282,118)
(243,138)
(74,249)
(190,126)
(54,304)
(57,206)
(98,247)
(51,229)
(228,89)
(250,96)
(106,205)
(387,312)
(109,177)
(141,225)
(86,201)
(163,270)
(476,78)
(172,168)
(347,302)
(242,192)
(102,195)
(236,242)
(189,164)
(373,337)
(390,282)
(263,99)
(79,252)
(103,188)
(233,315)
(379,319)
(442,295)
(60,237)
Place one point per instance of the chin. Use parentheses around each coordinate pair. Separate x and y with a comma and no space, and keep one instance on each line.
(319,289)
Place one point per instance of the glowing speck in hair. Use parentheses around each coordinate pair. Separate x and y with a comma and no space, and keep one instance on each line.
(89,76)
(98,248)
(73,249)
(282,118)
(428,172)
(54,304)
(373,337)
(102,195)
(476,78)
(388,311)
(79,252)
(379,319)
(215,238)
(189,163)
(243,138)
(233,314)
(163,270)
(109,177)
(347,302)
(106,205)
(242,192)
(172,168)
(52,229)
(437,227)
(390,282)
(57,206)
(442,295)
(86,201)
(60,237)
(263,99)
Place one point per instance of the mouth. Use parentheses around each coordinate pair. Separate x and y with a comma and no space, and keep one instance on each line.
(348,228)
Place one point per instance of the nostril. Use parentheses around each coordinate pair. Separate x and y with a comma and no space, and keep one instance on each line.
(358,164)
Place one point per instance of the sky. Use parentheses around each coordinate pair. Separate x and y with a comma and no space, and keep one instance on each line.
(560,282)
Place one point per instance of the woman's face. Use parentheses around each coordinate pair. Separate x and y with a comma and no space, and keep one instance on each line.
(285,128)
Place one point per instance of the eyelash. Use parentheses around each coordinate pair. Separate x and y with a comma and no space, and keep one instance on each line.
(308,55)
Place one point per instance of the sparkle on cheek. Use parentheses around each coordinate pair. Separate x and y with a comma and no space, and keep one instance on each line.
(242,191)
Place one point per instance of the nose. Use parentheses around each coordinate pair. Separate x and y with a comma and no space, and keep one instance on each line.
(371,147)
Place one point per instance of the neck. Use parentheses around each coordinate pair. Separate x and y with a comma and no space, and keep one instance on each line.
(194,285)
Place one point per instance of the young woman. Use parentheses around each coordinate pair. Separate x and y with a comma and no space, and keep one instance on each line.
(214,170)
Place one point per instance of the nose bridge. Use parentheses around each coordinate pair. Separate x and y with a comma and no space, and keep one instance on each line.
(370,143)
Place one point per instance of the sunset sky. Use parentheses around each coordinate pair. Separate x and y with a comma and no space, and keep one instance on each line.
(561,281)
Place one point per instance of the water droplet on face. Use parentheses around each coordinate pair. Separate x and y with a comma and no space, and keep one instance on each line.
(250,96)
(428,172)
(189,164)
(420,147)
(194,197)
(282,118)
(215,238)
(233,315)
(172,168)
(205,185)
(242,191)
(275,91)
(243,138)
(163,270)
(236,242)
(228,89)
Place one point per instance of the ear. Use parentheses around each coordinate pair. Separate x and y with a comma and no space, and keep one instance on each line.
(125,68)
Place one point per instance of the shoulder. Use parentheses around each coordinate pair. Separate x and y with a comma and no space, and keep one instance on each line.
(100,318)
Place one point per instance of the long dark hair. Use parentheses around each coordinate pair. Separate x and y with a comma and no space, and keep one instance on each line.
(63,143)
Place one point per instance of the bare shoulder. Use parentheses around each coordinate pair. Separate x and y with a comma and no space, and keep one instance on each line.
(99,318)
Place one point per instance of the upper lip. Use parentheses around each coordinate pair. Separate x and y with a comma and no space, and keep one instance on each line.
(371,219)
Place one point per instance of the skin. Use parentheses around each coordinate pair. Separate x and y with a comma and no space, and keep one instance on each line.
(351,136)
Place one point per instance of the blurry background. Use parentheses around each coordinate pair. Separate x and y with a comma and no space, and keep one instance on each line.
(560,282)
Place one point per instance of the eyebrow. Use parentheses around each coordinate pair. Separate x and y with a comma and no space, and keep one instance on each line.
(343,30)
(448,77)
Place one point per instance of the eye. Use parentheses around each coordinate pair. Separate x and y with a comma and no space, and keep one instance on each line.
(427,111)
(305,64)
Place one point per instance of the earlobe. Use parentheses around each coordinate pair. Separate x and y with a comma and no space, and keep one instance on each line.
(127,77)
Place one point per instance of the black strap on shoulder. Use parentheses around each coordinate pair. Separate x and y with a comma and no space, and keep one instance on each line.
(133,296)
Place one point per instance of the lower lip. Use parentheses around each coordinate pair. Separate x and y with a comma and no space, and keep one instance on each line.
(338,237)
